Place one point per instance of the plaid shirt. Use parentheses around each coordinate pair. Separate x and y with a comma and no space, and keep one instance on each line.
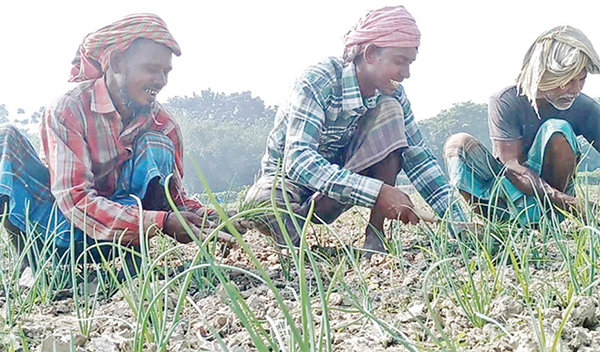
(85,144)
(314,127)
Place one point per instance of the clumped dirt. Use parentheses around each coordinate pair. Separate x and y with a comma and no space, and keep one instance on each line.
(392,289)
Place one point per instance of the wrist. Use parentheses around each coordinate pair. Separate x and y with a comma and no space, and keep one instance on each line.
(166,218)
(564,201)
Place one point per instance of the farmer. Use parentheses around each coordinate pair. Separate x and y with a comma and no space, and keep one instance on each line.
(107,143)
(347,130)
(533,128)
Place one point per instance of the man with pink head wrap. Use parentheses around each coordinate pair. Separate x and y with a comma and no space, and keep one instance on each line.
(387,27)
(103,141)
(346,131)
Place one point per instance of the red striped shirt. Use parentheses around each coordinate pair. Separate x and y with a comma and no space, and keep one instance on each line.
(85,144)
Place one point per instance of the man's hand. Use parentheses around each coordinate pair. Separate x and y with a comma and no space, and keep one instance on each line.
(241,224)
(175,228)
(511,155)
(395,204)
(463,227)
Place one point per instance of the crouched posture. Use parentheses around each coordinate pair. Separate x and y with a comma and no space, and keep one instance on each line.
(104,142)
(533,128)
(346,131)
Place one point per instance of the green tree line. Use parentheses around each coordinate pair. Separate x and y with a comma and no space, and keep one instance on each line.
(225,134)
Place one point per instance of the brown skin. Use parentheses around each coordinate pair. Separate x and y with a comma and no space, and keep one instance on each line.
(141,72)
(377,66)
(391,202)
(144,67)
(563,97)
(375,69)
(559,162)
(557,170)
(174,228)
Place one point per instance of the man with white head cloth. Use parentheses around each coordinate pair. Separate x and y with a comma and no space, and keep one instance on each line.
(347,130)
(533,127)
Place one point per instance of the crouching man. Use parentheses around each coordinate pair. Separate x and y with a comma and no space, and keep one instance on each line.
(533,128)
(103,141)
(347,130)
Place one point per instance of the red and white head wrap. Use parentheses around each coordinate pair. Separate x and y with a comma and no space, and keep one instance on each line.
(92,58)
(386,27)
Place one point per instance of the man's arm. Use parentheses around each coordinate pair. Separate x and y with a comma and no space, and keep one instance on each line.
(73,187)
(423,170)
(527,181)
(304,164)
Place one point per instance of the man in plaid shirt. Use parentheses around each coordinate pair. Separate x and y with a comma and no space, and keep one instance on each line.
(103,141)
(347,130)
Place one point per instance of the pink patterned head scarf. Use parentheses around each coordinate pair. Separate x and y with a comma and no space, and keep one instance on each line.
(386,27)
(92,58)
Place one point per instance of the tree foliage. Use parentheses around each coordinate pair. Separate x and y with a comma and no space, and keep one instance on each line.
(36,117)
(467,117)
(225,135)
(221,107)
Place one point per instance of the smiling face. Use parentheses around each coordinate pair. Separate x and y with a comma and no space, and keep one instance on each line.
(140,73)
(563,97)
(384,69)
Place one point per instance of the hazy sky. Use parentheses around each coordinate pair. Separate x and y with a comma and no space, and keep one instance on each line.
(469,49)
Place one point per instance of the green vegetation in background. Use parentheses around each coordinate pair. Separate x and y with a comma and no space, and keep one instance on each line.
(225,134)
(466,117)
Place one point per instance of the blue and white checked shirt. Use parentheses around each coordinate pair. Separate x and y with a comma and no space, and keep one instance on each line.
(317,123)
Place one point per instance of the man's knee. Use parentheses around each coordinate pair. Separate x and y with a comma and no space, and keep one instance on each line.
(393,161)
(559,142)
(559,162)
(553,125)
(559,152)
(559,145)
(387,108)
(562,137)
(458,144)
(157,147)
(154,139)
(388,168)
(10,134)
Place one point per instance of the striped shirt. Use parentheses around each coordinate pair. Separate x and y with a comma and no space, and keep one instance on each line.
(313,129)
(85,144)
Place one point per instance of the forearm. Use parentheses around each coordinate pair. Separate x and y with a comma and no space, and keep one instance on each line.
(104,219)
(309,168)
(429,180)
(532,184)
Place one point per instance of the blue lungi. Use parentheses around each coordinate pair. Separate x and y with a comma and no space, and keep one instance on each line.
(26,182)
(478,173)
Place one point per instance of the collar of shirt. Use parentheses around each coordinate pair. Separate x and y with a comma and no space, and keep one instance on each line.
(351,97)
(101,102)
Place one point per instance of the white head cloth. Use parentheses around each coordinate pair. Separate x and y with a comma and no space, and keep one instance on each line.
(554,59)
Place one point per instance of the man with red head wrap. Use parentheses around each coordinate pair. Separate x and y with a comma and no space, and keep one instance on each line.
(346,131)
(103,141)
